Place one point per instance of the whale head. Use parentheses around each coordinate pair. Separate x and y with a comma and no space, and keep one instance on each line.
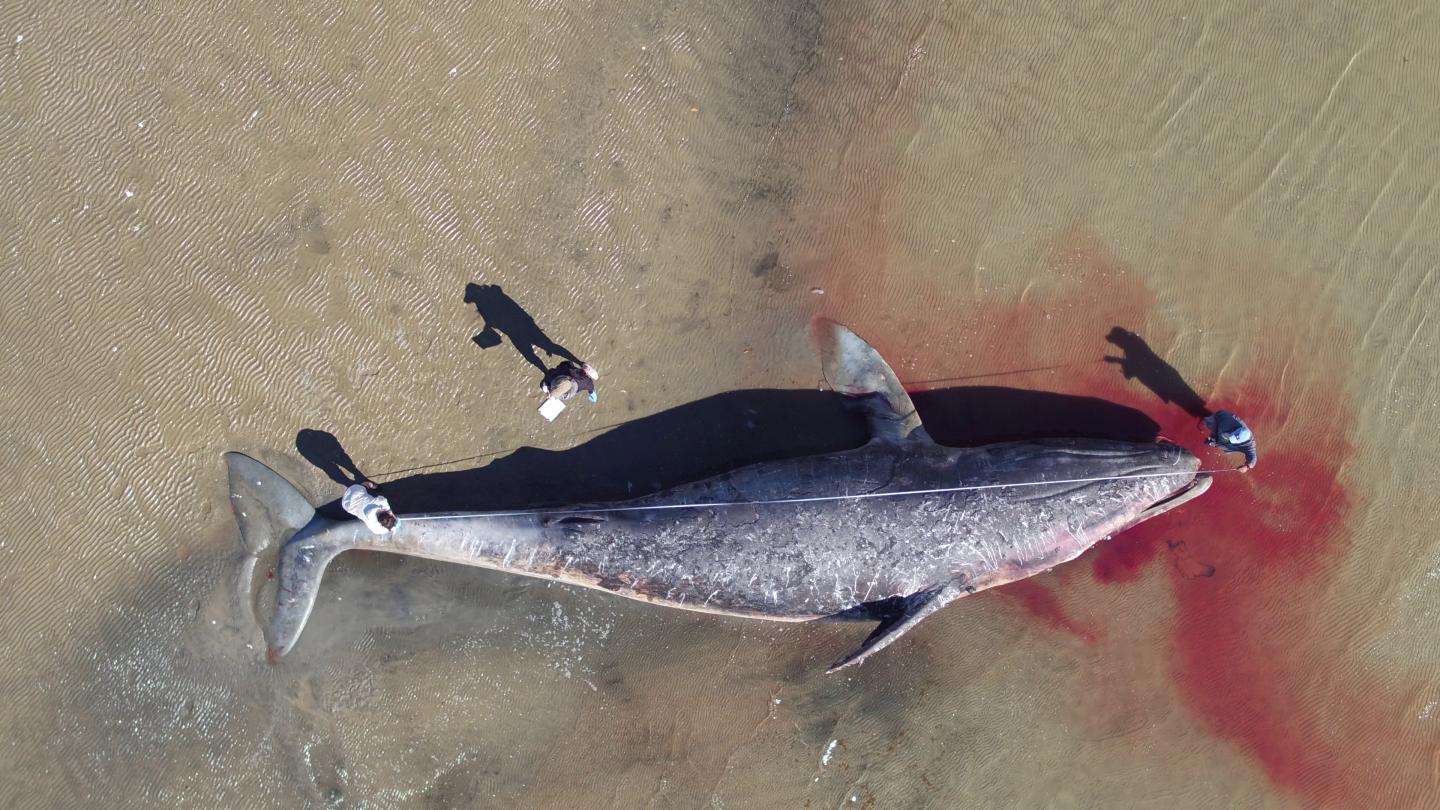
(1098,487)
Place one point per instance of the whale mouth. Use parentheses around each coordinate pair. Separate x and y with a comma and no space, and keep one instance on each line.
(1185,494)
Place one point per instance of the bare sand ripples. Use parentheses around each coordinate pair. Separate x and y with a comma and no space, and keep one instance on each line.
(224,223)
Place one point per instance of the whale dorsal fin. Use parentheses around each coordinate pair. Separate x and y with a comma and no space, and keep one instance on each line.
(854,368)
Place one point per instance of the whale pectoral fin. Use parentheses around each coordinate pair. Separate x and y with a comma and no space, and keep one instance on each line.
(887,610)
(917,606)
(854,368)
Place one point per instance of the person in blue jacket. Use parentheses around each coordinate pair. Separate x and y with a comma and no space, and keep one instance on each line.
(1229,433)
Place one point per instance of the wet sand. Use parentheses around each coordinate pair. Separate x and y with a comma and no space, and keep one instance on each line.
(225,226)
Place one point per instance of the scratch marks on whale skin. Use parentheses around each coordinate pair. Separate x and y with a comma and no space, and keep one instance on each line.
(782,562)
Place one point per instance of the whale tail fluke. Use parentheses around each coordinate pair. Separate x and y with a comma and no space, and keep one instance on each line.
(268,508)
(273,514)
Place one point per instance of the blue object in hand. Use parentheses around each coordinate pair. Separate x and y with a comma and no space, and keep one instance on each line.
(594,397)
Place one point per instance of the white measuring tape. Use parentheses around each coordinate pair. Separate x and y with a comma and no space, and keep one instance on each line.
(818,498)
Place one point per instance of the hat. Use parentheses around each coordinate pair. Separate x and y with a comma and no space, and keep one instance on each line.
(564,388)
(1240,435)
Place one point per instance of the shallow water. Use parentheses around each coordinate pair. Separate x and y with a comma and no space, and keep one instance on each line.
(225,224)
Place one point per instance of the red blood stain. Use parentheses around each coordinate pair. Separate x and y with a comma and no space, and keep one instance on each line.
(1122,559)
(1256,649)
(1044,604)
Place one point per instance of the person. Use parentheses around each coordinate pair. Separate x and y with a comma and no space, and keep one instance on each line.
(1229,433)
(364,502)
(563,382)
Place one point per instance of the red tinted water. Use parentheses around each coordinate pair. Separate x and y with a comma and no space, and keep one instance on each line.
(1044,604)
(1257,647)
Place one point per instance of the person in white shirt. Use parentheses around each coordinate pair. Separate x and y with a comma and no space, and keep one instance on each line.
(373,509)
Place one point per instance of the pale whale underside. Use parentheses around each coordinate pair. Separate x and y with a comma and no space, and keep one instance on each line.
(820,552)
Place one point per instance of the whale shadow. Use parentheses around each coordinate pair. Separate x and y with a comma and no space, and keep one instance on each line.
(975,415)
(722,432)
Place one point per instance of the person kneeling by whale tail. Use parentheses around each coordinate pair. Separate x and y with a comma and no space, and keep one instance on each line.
(364,502)
(1232,435)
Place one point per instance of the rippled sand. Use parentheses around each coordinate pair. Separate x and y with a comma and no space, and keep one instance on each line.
(225,224)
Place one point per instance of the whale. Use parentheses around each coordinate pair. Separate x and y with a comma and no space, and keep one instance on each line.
(890,531)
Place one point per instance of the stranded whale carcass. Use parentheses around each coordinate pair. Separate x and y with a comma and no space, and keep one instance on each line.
(893,530)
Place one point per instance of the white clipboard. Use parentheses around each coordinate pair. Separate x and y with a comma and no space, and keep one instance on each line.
(551,408)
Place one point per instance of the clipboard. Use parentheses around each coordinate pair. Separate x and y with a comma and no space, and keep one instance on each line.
(551,408)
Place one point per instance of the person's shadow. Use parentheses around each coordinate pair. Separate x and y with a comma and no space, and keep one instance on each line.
(324,451)
(1140,362)
(505,317)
